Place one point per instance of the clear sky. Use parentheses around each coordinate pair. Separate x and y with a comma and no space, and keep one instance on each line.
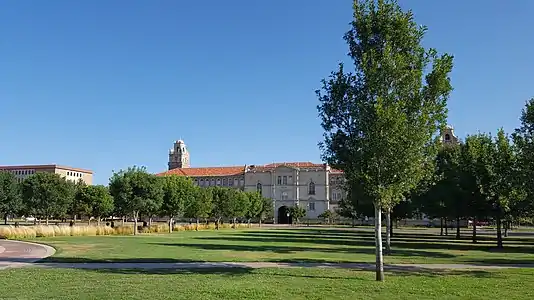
(104,85)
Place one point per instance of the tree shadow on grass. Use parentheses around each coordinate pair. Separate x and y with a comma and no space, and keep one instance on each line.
(76,260)
(293,249)
(399,235)
(408,243)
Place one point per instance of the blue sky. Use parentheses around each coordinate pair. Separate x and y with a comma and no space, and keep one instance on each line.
(105,85)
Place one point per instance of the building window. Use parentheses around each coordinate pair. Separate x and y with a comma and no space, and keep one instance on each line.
(241,181)
(284,180)
(225,183)
(284,196)
(290,180)
(311,206)
(218,181)
(258,187)
(230,182)
(334,196)
(279,181)
(311,188)
(339,197)
(236,183)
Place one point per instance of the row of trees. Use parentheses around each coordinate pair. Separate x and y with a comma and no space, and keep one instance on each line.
(382,119)
(133,193)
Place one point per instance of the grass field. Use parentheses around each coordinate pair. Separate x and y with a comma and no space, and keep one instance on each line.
(261,284)
(309,245)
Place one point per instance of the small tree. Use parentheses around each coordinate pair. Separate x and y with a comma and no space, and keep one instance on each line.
(177,191)
(200,206)
(297,213)
(10,197)
(77,207)
(136,191)
(327,215)
(237,205)
(46,195)
(101,201)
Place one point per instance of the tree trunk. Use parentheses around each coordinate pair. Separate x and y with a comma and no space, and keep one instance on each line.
(217,221)
(391,223)
(196,228)
(149,221)
(388,231)
(249,223)
(440,226)
(135,215)
(123,221)
(378,244)
(457,227)
(89,221)
(474,230)
(446,227)
(98,219)
(234,225)
(170,224)
(46,220)
(259,223)
(499,232)
(505,228)
(5,219)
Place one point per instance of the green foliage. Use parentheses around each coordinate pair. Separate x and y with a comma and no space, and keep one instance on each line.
(46,195)
(99,200)
(135,191)
(201,204)
(10,199)
(297,213)
(177,191)
(381,120)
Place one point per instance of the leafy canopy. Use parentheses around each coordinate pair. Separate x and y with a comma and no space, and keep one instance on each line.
(381,119)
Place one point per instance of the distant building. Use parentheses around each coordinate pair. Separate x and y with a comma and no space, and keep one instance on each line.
(314,186)
(73,174)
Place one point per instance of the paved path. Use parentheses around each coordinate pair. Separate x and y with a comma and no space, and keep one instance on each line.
(23,254)
(14,253)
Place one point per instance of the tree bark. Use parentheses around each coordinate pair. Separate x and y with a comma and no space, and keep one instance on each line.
(98,219)
(457,227)
(446,227)
(5,219)
(135,214)
(505,228)
(259,223)
(474,230)
(378,244)
(388,231)
(440,226)
(499,232)
(170,224)
(196,228)
(46,221)
(217,222)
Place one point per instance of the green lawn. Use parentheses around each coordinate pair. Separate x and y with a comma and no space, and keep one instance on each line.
(261,284)
(312,245)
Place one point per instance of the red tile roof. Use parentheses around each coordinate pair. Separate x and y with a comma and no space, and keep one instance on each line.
(293,164)
(237,170)
(208,171)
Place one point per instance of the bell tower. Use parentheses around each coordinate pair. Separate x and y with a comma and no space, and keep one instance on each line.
(178,156)
(448,137)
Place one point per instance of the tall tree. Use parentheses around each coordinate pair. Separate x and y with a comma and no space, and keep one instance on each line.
(381,120)
(46,195)
(10,198)
(101,201)
(523,138)
(177,191)
(136,191)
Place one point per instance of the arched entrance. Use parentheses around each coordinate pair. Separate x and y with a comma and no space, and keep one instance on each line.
(283,215)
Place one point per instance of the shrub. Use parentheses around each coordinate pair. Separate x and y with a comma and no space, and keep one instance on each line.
(31,232)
